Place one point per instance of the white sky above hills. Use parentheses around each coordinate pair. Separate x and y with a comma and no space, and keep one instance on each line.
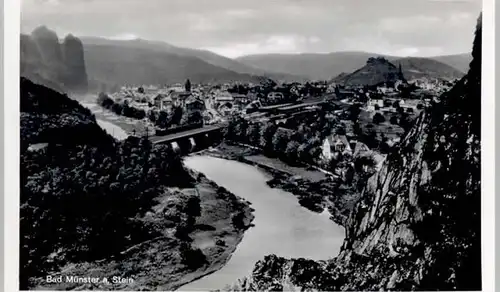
(233,27)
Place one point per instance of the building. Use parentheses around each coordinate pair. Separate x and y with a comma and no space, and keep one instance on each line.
(163,102)
(240,100)
(195,104)
(222,97)
(179,97)
(275,96)
(38,147)
(334,145)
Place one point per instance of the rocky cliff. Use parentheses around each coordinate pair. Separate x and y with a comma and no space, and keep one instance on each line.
(45,60)
(377,71)
(417,224)
(76,73)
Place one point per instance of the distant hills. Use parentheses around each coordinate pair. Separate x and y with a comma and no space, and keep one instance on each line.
(90,63)
(460,61)
(149,62)
(375,72)
(414,68)
(328,66)
(206,56)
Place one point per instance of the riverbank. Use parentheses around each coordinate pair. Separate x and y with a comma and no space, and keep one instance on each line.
(160,263)
(315,190)
(129,125)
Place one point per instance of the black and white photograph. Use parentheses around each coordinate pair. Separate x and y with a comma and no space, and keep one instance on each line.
(237,145)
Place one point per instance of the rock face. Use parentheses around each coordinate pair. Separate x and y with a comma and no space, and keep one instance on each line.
(377,71)
(48,43)
(46,61)
(417,225)
(76,74)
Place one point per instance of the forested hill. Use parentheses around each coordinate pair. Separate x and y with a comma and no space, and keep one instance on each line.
(83,194)
(417,225)
(48,116)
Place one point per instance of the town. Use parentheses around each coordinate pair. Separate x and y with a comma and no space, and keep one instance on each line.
(341,121)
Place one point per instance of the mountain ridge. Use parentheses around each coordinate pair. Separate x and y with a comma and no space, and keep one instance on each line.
(326,66)
(204,55)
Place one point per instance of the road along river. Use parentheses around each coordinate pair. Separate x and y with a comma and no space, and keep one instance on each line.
(282,226)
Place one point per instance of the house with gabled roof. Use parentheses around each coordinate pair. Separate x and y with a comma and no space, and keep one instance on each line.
(334,145)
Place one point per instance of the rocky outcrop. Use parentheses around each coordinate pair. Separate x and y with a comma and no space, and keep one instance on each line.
(46,61)
(76,74)
(417,224)
(48,44)
(377,71)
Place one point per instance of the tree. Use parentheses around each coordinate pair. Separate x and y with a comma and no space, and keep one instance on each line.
(153,116)
(253,134)
(280,141)
(187,85)
(127,110)
(140,114)
(163,119)
(192,257)
(241,130)
(341,130)
(104,100)
(393,120)
(302,152)
(371,140)
(195,117)
(378,118)
(364,162)
(357,129)
(405,122)
(266,137)
(354,111)
(177,116)
(291,151)
(117,108)
(192,207)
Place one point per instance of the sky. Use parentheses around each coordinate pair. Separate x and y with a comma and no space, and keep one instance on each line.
(243,27)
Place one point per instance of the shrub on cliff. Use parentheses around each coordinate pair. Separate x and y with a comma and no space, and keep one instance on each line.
(193,258)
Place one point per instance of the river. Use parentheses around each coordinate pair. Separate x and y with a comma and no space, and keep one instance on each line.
(282,226)
(112,129)
(89,101)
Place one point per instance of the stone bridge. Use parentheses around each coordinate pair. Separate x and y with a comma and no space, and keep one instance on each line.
(192,140)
